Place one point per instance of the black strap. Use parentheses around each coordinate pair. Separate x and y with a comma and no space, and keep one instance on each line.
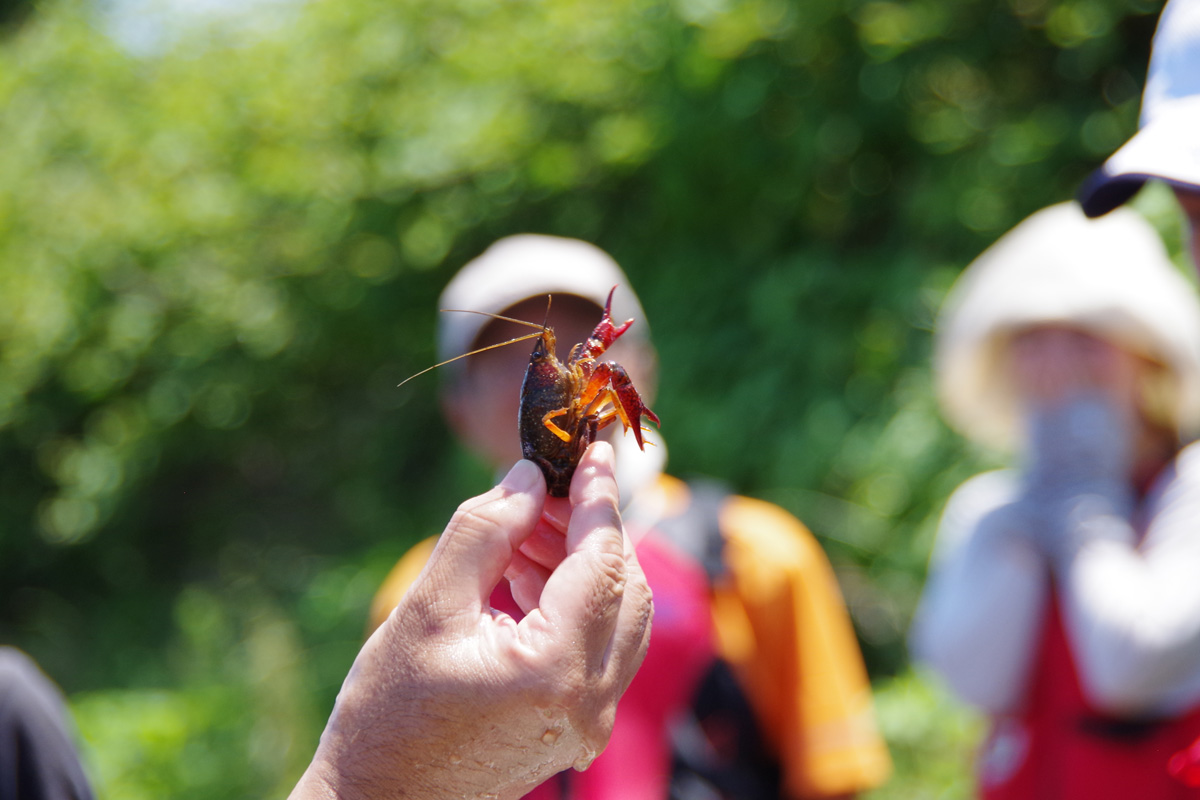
(717,747)
(696,531)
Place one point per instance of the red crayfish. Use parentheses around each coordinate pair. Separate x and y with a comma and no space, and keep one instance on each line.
(564,405)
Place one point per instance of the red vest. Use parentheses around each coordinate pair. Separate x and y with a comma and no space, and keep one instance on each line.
(1060,747)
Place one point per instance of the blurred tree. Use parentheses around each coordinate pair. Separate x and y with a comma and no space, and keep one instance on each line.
(13,12)
(218,260)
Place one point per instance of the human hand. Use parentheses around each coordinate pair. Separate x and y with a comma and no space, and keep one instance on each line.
(1080,397)
(449,699)
(539,554)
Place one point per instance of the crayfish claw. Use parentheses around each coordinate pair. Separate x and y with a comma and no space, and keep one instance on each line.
(632,409)
(605,333)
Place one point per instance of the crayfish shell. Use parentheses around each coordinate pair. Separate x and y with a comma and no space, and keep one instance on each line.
(548,386)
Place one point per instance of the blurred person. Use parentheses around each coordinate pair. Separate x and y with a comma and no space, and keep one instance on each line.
(1167,145)
(38,759)
(754,686)
(449,700)
(1063,597)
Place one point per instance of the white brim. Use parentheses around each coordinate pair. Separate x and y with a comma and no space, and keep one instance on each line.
(1167,148)
(1111,278)
(531,265)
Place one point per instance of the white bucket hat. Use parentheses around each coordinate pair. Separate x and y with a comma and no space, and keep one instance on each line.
(1167,144)
(1110,277)
(529,265)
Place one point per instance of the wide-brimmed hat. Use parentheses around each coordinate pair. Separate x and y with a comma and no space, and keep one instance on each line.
(1110,277)
(1167,144)
(529,265)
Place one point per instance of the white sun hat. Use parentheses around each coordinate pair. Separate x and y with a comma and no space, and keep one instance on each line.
(529,265)
(1167,144)
(1110,277)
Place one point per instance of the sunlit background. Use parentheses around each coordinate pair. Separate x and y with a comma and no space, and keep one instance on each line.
(223,228)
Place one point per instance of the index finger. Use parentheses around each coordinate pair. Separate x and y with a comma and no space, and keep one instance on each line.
(478,543)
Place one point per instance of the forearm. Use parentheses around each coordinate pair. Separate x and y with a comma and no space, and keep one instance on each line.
(979,615)
(1132,608)
(1134,619)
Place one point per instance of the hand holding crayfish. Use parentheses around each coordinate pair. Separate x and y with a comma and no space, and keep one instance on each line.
(452,700)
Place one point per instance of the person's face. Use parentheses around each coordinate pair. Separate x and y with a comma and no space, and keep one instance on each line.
(1189,199)
(1050,363)
(482,402)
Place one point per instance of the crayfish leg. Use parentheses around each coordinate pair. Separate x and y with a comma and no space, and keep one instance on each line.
(610,382)
(548,420)
(607,417)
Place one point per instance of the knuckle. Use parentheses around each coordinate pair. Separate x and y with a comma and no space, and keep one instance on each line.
(468,524)
(613,573)
(476,516)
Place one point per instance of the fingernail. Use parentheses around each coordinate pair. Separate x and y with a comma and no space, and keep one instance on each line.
(558,523)
(604,451)
(522,477)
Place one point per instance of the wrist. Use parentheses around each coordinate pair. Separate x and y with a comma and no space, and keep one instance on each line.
(1088,519)
(313,785)
(345,776)
(365,754)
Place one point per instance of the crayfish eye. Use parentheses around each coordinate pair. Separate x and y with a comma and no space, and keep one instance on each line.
(542,347)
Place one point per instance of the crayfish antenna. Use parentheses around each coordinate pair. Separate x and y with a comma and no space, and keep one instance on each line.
(541,329)
(497,316)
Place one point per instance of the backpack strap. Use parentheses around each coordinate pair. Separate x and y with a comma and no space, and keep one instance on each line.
(696,531)
(717,747)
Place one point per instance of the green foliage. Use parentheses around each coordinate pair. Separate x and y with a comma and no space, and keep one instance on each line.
(218,260)
(238,719)
(932,740)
